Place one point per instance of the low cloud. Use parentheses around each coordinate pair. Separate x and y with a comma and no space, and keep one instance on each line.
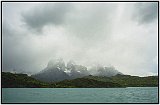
(88,33)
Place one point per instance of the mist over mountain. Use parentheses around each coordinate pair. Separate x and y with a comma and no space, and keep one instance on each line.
(104,71)
(76,70)
(56,70)
(120,34)
(53,72)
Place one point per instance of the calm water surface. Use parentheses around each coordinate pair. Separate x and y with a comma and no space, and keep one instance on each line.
(80,95)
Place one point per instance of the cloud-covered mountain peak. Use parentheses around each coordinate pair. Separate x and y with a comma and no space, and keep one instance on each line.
(56,63)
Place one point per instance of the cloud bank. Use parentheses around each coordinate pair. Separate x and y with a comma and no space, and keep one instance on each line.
(123,35)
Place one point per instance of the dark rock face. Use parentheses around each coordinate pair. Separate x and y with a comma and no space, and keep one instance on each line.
(53,72)
(81,70)
(57,71)
(51,75)
(76,71)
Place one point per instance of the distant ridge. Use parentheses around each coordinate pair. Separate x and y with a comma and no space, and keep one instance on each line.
(57,71)
(10,80)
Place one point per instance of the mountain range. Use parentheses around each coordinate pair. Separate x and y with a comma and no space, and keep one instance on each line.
(57,71)
(71,75)
(14,80)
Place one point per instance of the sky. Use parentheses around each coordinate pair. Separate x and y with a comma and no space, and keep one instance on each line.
(119,34)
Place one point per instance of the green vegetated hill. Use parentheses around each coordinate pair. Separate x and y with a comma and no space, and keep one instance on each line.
(87,83)
(129,81)
(10,80)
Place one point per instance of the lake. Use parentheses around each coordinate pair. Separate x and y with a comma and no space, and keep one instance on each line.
(80,95)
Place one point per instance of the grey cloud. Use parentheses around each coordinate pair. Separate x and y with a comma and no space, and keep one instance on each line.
(89,33)
(91,23)
(18,52)
(46,14)
(7,29)
(145,12)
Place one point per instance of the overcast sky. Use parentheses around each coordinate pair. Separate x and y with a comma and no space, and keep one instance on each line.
(123,35)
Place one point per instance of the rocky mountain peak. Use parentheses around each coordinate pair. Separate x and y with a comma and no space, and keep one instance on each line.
(56,63)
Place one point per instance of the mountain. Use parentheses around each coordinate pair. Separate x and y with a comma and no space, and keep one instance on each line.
(107,71)
(104,71)
(57,71)
(53,72)
(11,80)
(76,71)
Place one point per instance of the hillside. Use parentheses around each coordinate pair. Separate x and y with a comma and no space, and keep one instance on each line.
(86,83)
(129,81)
(10,80)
